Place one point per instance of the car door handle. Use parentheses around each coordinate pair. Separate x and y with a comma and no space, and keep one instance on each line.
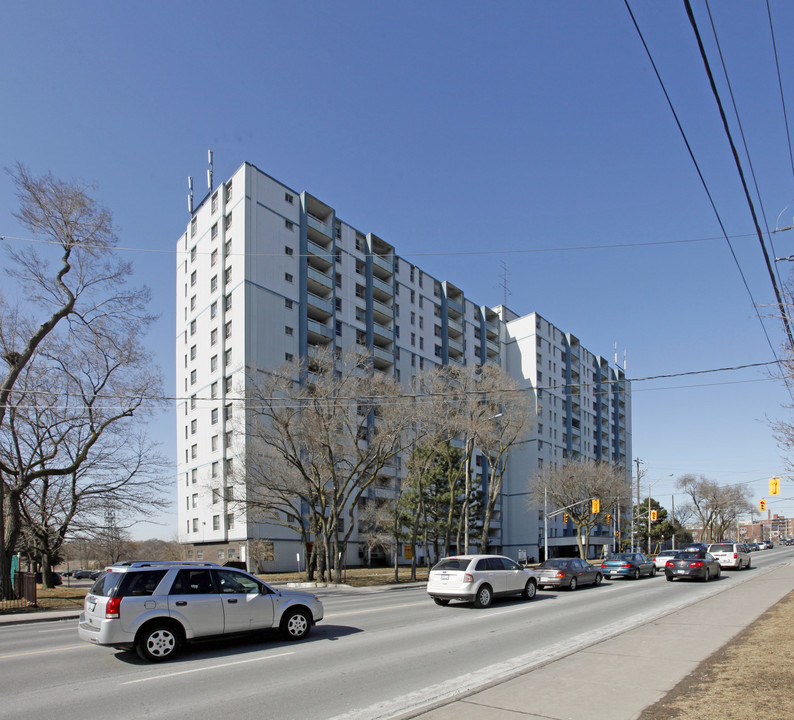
(180,603)
(231,600)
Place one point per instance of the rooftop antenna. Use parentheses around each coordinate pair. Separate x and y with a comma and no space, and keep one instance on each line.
(624,361)
(504,284)
(616,353)
(190,194)
(209,170)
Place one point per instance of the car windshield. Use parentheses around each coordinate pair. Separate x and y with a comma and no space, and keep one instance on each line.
(453,564)
(622,556)
(723,547)
(555,563)
(691,556)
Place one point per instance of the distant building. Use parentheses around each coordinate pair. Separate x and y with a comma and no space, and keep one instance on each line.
(265,274)
(772,528)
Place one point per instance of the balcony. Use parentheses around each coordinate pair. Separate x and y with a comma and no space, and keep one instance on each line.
(319,333)
(382,312)
(455,326)
(453,306)
(455,345)
(383,267)
(493,347)
(316,225)
(319,256)
(381,333)
(382,290)
(319,308)
(318,282)
(382,358)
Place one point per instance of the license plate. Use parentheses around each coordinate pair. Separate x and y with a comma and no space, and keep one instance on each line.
(682,572)
(444,577)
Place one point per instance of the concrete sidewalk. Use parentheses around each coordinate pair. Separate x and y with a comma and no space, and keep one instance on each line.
(616,679)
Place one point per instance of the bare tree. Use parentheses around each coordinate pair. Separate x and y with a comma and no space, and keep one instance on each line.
(73,295)
(573,485)
(333,434)
(713,506)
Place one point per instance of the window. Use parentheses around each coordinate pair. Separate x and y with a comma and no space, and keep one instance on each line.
(214,443)
(193,254)
(194,476)
(413,318)
(421,322)
(228,188)
(288,198)
(192,327)
(437,330)
(214,474)
(194,500)
(438,350)
(227,357)
(213,309)
(227,384)
(413,338)
(214,416)
(227,276)
(360,267)
(337,280)
(421,343)
(361,291)
(193,227)
(288,224)
(193,426)
(338,328)
(288,330)
(289,357)
(228,412)
(192,278)
(228,329)
(216,522)
(213,283)
(421,302)
(213,363)
(288,303)
(213,257)
(215,202)
(193,303)
(287,250)
(195,524)
(192,402)
(288,277)
(194,451)
(193,352)
(227,302)
(338,304)
(229,494)
(230,521)
(227,222)
(192,377)
(213,336)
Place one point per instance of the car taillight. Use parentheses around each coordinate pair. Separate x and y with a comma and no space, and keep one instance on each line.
(735,555)
(560,573)
(603,564)
(625,564)
(696,564)
(669,563)
(467,578)
(112,608)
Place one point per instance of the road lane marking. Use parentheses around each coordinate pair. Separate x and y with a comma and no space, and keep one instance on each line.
(379,609)
(43,652)
(203,669)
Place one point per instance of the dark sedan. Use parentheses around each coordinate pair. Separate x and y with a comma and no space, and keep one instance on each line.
(628,565)
(694,565)
(567,572)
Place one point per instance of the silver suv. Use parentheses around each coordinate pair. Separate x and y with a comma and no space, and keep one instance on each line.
(156,607)
(731,555)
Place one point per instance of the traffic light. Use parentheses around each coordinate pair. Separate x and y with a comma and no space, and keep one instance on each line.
(654,515)
(565,518)
(762,505)
(595,506)
(609,518)
(774,486)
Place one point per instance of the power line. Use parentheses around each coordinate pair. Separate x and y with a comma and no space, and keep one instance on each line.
(715,92)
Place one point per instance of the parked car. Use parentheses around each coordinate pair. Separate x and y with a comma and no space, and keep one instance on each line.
(95,574)
(628,565)
(567,572)
(478,579)
(731,555)
(694,565)
(767,544)
(56,578)
(81,574)
(752,546)
(661,558)
(157,607)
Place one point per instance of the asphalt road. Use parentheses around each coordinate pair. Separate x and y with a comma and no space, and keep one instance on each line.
(377,653)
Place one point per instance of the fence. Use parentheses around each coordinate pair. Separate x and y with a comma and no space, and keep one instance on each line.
(24,592)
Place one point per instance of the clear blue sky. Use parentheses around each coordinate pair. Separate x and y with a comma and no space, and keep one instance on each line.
(534,133)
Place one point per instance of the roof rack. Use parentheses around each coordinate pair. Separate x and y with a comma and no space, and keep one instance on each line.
(148,563)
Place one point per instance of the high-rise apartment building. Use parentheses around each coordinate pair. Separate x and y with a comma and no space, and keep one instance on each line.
(267,274)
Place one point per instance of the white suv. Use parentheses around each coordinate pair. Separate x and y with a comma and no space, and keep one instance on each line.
(731,555)
(478,579)
(155,607)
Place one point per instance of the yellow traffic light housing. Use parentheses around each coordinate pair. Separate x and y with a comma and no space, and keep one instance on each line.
(762,505)
(654,515)
(565,518)
(609,518)
(774,486)
(595,506)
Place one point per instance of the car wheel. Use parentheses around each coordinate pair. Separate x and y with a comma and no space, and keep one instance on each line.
(483,597)
(653,571)
(706,576)
(574,584)
(747,567)
(529,590)
(296,624)
(158,642)
(636,574)
(441,601)
(598,578)
(669,578)
(719,572)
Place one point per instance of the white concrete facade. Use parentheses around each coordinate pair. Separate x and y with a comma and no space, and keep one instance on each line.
(266,274)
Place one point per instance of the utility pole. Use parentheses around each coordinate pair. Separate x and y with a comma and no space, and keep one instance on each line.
(633,512)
